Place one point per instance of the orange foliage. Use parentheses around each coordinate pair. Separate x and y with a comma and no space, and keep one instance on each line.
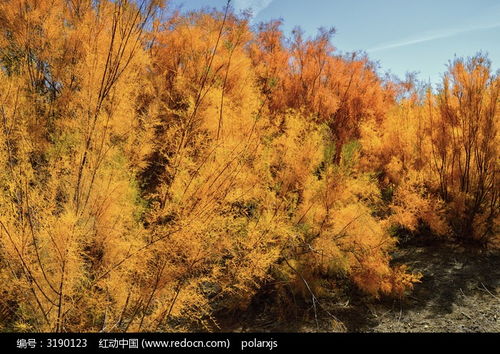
(155,173)
(439,153)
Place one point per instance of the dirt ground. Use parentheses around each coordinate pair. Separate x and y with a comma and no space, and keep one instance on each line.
(459,292)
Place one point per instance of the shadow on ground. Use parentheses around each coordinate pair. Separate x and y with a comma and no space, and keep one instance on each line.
(459,292)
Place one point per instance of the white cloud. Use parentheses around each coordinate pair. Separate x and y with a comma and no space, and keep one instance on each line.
(432,35)
(256,5)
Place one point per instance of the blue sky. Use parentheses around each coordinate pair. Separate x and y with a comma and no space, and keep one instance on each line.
(402,35)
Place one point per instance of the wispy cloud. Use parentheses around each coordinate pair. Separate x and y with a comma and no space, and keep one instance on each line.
(256,5)
(433,35)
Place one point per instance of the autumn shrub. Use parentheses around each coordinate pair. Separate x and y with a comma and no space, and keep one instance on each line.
(439,152)
(337,230)
(155,174)
(71,75)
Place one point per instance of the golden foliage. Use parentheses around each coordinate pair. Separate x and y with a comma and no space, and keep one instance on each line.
(155,173)
(438,151)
